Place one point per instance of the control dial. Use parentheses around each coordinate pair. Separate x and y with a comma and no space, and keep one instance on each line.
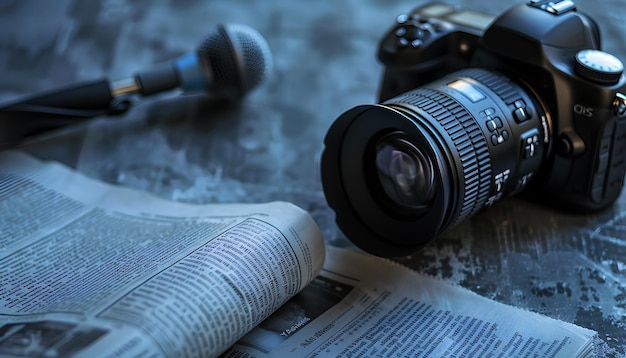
(599,66)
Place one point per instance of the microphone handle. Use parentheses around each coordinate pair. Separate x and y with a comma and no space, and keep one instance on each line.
(40,113)
(77,100)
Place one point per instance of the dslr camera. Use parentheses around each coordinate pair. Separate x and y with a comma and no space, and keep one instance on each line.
(473,109)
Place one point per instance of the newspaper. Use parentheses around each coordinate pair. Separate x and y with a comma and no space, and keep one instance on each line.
(89,269)
(362,306)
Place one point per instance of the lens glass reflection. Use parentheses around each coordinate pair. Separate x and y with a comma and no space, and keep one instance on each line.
(405,173)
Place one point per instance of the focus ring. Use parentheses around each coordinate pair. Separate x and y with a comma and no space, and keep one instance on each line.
(468,140)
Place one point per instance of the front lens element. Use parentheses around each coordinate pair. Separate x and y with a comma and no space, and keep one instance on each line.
(405,173)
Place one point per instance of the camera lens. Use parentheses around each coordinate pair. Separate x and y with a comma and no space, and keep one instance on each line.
(405,173)
(399,173)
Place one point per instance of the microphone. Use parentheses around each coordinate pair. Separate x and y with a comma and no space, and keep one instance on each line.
(231,61)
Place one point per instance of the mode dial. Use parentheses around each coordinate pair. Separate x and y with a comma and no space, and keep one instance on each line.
(599,66)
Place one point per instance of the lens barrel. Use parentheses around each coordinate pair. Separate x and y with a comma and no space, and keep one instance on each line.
(397,174)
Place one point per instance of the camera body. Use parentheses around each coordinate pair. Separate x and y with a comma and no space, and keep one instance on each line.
(536,43)
(484,107)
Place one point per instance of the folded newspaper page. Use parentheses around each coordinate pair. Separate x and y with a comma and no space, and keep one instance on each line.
(362,306)
(89,269)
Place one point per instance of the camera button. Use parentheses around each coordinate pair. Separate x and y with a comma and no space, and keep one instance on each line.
(530,143)
(418,33)
(520,114)
(402,42)
(401,19)
(410,35)
(488,112)
(499,138)
(570,144)
(401,31)
(494,123)
(426,27)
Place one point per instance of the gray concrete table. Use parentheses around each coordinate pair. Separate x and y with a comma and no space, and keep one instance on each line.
(268,146)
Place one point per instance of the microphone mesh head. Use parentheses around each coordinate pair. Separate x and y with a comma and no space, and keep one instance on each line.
(238,59)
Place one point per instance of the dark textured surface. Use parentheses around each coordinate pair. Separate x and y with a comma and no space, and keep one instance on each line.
(268,146)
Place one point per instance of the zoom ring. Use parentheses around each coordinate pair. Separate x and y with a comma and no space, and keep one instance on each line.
(468,140)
